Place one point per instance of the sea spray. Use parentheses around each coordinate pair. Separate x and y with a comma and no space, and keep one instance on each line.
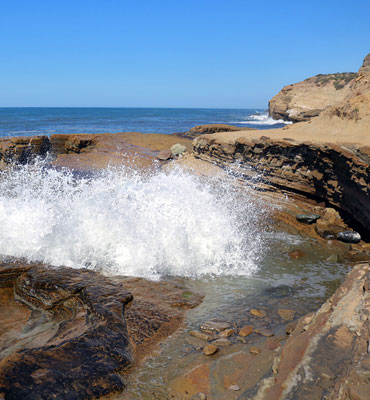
(120,221)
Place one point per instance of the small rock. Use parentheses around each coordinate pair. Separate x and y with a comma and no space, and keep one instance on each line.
(295,254)
(246,330)
(254,350)
(227,333)
(258,313)
(222,342)
(217,326)
(325,376)
(290,327)
(265,332)
(349,237)
(164,155)
(286,314)
(234,388)
(307,218)
(307,320)
(177,149)
(241,339)
(201,335)
(210,349)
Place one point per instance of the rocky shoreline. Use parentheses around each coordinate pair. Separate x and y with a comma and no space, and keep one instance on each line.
(77,334)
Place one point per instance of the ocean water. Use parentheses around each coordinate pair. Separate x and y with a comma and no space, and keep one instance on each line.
(47,121)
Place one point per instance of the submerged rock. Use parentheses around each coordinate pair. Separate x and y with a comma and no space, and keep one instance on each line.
(246,330)
(307,218)
(258,313)
(210,349)
(349,237)
(217,326)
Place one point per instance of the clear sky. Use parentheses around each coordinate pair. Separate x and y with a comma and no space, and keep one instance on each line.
(203,53)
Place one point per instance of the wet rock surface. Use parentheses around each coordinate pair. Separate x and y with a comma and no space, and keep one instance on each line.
(73,341)
(72,334)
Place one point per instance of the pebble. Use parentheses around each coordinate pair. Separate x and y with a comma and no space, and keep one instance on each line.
(265,332)
(286,314)
(258,313)
(227,333)
(295,254)
(234,388)
(246,330)
(217,326)
(210,349)
(222,342)
(201,335)
(307,218)
(349,237)
(254,350)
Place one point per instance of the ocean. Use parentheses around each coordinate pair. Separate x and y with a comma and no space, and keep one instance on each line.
(47,121)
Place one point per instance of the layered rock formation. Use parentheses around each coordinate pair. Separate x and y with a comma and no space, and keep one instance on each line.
(304,100)
(326,159)
(212,128)
(70,334)
(88,151)
(327,355)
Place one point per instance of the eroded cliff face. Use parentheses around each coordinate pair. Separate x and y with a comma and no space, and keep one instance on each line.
(304,100)
(327,356)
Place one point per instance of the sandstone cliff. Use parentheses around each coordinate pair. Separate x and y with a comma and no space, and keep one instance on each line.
(303,100)
(326,158)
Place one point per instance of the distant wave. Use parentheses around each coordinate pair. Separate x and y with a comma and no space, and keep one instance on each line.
(262,119)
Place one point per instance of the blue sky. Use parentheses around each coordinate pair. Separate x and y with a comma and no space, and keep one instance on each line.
(230,53)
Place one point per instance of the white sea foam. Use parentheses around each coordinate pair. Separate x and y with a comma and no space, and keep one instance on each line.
(121,222)
(262,119)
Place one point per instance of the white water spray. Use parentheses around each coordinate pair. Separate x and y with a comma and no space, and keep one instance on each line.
(121,222)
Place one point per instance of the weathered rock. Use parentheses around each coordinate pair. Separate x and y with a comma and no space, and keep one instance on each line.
(201,335)
(210,349)
(177,149)
(328,172)
(227,333)
(264,332)
(246,330)
(290,327)
(258,313)
(305,100)
(307,218)
(349,237)
(74,342)
(212,128)
(287,315)
(329,357)
(223,342)
(70,333)
(164,155)
(217,326)
(254,350)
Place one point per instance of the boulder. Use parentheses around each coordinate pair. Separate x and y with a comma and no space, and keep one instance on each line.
(178,149)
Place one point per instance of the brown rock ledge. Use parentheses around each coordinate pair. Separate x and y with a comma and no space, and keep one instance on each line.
(71,334)
(327,355)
